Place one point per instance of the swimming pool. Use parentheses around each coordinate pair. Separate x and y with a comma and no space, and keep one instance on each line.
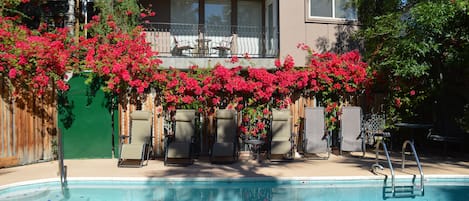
(248,189)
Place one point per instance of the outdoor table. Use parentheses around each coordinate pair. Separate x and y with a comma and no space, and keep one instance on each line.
(203,46)
(413,126)
(255,147)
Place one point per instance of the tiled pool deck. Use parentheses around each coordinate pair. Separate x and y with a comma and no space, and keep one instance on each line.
(350,165)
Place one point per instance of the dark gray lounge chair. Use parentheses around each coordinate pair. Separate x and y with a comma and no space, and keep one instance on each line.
(225,147)
(179,143)
(281,141)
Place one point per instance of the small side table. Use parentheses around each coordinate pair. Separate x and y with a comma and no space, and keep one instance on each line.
(255,146)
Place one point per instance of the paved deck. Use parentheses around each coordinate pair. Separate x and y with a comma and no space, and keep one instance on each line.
(350,165)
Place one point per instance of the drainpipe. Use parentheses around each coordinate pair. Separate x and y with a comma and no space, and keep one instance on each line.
(70,24)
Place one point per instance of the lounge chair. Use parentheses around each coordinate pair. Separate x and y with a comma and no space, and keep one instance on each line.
(178,145)
(351,134)
(225,147)
(315,139)
(281,141)
(139,146)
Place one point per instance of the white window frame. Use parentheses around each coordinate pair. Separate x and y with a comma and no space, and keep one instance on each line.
(333,19)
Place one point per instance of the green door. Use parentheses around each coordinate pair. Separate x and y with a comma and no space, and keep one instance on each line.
(85,121)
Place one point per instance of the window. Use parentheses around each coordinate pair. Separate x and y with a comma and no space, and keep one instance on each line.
(336,9)
(185,11)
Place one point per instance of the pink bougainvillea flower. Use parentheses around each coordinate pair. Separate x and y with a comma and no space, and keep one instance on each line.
(278,63)
(266,111)
(234,59)
(61,85)
(12,73)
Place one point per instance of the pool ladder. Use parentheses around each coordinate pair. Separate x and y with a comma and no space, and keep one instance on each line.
(405,191)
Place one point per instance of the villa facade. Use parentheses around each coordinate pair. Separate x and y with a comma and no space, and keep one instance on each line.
(204,32)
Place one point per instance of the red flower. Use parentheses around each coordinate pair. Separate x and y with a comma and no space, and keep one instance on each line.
(243,129)
(412,92)
(188,99)
(61,85)
(234,59)
(278,64)
(12,73)
(397,102)
(260,125)
(337,86)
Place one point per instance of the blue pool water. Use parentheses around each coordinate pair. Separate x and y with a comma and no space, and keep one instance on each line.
(444,189)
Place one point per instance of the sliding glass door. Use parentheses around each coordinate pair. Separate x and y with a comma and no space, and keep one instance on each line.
(249,31)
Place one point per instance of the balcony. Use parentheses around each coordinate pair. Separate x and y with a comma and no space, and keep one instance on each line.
(213,43)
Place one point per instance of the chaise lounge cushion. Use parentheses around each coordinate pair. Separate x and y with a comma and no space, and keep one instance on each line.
(179,150)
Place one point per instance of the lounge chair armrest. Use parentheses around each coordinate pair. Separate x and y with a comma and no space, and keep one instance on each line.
(124,136)
(193,139)
(292,137)
(149,139)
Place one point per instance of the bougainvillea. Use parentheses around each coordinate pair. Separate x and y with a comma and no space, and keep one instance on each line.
(124,62)
(32,61)
(334,79)
(120,59)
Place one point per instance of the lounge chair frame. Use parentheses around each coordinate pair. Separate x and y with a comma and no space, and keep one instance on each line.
(281,121)
(351,134)
(138,140)
(316,138)
(226,137)
(180,135)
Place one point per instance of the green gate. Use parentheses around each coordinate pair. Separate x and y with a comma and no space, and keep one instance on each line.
(85,121)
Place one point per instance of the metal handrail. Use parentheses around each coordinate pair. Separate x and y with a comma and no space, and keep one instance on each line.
(62,167)
(377,165)
(404,146)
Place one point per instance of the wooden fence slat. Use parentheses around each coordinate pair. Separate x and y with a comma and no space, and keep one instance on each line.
(26,129)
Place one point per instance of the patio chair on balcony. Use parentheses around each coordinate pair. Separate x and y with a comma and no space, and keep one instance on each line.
(138,148)
(223,46)
(225,147)
(179,142)
(181,46)
(315,138)
(351,135)
(281,139)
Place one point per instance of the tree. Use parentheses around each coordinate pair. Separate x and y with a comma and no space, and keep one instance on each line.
(420,51)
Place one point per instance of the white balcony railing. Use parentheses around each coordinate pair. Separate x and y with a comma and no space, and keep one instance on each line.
(194,40)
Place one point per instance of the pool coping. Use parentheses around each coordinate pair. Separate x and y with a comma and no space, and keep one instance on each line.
(206,179)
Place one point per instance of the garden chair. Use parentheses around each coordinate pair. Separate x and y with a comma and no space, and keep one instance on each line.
(223,46)
(315,137)
(281,139)
(351,135)
(139,146)
(179,142)
(374,126)
(225,147)
(180,46)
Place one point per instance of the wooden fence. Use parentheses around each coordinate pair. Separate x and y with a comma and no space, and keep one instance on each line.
(27,128)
